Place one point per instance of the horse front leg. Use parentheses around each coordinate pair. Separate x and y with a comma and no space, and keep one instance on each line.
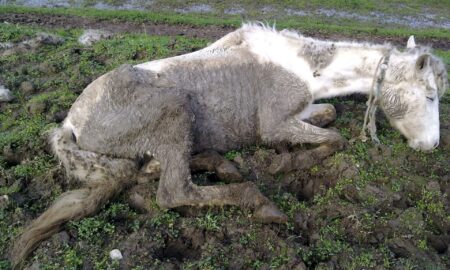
(176,189)
(296,131)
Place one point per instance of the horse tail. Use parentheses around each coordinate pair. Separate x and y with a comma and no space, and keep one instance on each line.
(102,176)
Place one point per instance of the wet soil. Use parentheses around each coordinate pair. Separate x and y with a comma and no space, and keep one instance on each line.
(413,16)
(210,32)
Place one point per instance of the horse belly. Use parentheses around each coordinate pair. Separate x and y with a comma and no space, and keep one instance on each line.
(214,131)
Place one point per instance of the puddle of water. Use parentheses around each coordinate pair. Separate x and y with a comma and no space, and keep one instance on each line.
(295,12)
(419,21)
(129,5)
(426,19)
(196,8)
(268,10)
(44,3)
(234,11)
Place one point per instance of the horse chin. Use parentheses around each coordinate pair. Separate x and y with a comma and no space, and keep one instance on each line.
(422,142)
(422,146)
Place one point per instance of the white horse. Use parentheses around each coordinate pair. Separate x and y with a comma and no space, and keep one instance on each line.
(255,85)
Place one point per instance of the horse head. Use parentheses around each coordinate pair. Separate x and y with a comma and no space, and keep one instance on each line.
(414,82)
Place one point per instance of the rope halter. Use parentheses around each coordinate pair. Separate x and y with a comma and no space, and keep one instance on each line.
(372,102)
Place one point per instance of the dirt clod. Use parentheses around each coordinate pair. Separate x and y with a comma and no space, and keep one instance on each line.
(433,186)
(91,36)
(301,223)
(403,247)
(269,213)
(36,107)
(4,201)
(61,239)
(47,68)
(228,172)
(137,202)
(27,88)
(60,116)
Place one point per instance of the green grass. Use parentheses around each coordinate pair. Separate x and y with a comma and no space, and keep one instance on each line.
(304,24)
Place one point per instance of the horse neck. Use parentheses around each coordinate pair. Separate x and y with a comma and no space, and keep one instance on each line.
(351,70)
(329,68)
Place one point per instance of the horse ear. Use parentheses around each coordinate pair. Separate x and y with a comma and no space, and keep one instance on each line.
(423,62)
(411,44)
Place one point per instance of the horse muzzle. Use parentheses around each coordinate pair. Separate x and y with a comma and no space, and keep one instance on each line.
(426,146)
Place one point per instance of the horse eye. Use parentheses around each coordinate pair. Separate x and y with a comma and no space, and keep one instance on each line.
(430,99)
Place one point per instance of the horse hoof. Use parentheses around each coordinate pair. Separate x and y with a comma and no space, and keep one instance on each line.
(269,213)
(227,172)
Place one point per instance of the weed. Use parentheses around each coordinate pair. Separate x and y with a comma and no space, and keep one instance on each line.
(248,238)
(279,260)
(208,222)
(92,228)
(166,219)
(422,244)
(72,260)
(231,154)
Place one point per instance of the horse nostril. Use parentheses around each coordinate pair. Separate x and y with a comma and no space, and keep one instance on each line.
(436,144)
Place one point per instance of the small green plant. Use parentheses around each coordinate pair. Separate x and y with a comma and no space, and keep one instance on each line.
(314,169)
(248,238)
(325,248)
(208,222)
(166,219)
(72,260)
(422,244)
(362,261)
(231,154)
(91,228)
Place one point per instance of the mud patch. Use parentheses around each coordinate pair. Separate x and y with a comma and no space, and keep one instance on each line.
(198,8)
(177,249)
(427,19)
(418,21)
(210,32)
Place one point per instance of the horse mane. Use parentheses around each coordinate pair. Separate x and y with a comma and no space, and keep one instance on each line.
(440,73)
(296,35)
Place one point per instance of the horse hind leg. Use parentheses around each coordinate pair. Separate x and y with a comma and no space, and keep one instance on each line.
(103,177)
(210,161)
(175,185)
(319,115)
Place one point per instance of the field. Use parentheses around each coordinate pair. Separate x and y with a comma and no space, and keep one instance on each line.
(365,207)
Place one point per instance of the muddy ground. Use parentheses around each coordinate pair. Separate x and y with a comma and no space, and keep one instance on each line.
(412,13)
(210,32)
(365,207)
